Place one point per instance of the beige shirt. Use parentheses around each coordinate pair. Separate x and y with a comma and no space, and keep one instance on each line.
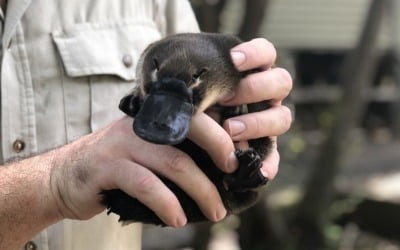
(65,64)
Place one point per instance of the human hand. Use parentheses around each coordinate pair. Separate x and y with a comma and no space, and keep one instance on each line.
(270,84)
(115,158)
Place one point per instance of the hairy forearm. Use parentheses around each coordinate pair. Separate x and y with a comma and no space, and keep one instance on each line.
(26,202)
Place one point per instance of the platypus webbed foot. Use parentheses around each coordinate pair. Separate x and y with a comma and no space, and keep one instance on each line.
(248,176)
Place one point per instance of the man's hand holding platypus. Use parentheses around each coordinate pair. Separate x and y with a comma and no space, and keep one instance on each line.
(114,157)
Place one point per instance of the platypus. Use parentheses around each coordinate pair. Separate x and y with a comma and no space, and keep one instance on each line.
(177,77)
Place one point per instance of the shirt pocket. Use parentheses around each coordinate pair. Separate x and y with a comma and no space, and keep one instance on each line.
(105,55)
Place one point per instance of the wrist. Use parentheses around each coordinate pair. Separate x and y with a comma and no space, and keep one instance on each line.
(56,183)
(74,195)
(54,205)
(48,199)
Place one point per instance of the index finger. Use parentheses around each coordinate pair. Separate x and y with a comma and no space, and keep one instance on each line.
(211,137)
(256,53)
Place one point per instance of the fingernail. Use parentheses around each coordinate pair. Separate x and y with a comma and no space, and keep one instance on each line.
(235,127)
(221,213)
(181,221)
(238,57)
(264,173)
(232,163)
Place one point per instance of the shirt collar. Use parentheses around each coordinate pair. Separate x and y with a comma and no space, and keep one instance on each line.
(14,13)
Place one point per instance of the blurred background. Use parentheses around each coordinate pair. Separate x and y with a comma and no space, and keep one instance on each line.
(339,181)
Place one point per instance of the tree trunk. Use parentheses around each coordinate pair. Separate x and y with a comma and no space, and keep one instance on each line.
(395,106)
(355,79)
(261,228)
(208,14)
(253,18)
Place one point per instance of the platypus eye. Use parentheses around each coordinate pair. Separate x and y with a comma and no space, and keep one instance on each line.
(199,73)
(156,65)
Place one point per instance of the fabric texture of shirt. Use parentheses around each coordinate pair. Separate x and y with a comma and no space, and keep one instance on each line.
(65,64)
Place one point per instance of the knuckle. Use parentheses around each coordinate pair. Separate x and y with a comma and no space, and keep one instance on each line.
(275,168)
(208,195)
(220,138)
(258,51)
(147,183)
(120,127)
(252,46)
(177,162)
(272,50)
(267,46)
(263,42)
(251,82)
(169,205)
(254,124)
(221,148)
(259,125)
(286,117)
(285,80)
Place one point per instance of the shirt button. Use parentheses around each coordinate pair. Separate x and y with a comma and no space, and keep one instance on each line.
(18,146)
(30,246)
(127,60)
